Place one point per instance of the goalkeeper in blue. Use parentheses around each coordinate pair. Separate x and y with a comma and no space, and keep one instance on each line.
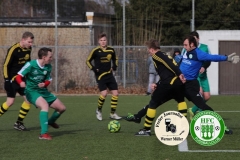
(202,77)
(37,75)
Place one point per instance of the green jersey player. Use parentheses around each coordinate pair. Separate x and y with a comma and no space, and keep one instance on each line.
(37,75)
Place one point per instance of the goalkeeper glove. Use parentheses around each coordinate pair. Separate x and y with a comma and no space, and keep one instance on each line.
(233,58)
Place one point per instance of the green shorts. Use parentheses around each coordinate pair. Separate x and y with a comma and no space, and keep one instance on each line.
(34,95)
(203,81)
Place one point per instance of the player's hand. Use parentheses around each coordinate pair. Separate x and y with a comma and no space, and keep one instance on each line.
(22,84)
(202,70)
(233,58)
(41,85)
(153,86)
(182,78)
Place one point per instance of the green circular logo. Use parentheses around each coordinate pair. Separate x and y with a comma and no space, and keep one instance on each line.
(207,128)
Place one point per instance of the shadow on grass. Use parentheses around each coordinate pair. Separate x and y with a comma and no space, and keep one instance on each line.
(66,132)
(39,128)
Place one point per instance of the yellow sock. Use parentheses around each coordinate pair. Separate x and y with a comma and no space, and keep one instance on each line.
(101,101)
(114,101)
(182,108)
(3,108)
(151,113)
(23,111)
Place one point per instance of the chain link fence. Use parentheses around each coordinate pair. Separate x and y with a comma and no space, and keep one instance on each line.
(73,72)
(70,31)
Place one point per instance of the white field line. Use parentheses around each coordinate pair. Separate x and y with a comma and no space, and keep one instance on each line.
(183,147)
(227,111)
(213,151)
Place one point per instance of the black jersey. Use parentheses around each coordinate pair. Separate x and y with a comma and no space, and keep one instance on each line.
(104,60)
(15,59)
(166,67)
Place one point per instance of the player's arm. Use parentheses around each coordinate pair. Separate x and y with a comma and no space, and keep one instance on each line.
(168,62)
(115,61)
(206,64)
(20,81)
(149,61)
(204,56)
(8,62)
(23,72)
(48,79)
(89,61)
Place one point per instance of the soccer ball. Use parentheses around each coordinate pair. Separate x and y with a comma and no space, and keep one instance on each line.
(114,126)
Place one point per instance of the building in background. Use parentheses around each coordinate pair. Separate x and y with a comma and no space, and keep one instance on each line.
(223,77)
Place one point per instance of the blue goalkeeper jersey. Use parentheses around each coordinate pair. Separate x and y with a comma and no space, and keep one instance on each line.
(192,62)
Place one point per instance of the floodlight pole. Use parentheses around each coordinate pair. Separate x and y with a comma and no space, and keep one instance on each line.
(124,46)
(56,48)
(193,14)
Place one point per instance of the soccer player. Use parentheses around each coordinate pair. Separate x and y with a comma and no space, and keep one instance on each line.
(190,66)
(202,76)
(169,87)
(103,56)
(17,55)
(37,74)
(153,75)
(191,63)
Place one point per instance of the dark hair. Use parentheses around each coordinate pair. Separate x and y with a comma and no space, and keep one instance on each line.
(191,39)
(27,34)
(153,43)
(43,52)
(102,35)
(194,34)
(176,50)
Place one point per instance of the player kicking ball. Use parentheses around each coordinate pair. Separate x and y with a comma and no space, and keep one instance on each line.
(37,75)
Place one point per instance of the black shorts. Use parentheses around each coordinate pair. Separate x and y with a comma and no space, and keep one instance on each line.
(13,88)
(192,92)
(192,89)
(107,81)
(166,92)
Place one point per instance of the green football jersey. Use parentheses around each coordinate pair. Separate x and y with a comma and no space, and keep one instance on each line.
(203,47)
(35,74)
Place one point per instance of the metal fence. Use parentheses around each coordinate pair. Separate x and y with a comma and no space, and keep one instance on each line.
(61,25)
(73,73)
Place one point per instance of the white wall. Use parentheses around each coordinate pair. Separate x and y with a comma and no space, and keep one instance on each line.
(212,38)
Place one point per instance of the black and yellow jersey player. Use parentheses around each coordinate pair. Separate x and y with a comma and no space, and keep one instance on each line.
(17,56)
(105,62)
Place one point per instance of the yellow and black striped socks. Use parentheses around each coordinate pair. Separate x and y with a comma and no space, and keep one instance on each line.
(182,108)
(151,113)
(101,101)
(23,111)
(4,108)
(114,101)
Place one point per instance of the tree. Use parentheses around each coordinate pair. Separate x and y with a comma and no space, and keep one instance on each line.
(169,21)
